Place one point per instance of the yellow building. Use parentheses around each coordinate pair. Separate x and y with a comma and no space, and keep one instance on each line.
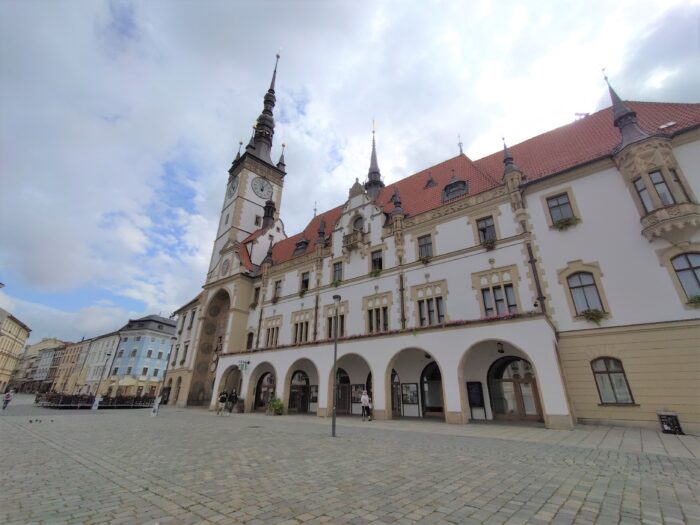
(13,334)
(71,367)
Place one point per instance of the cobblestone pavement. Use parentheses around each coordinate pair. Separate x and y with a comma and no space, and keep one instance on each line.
(190,466)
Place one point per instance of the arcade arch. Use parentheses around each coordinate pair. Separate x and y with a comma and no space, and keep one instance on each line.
(354,376)
(497,380)
(262,387)
(301,388)
(414,385)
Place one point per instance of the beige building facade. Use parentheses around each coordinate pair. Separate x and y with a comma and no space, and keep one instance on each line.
(180,366)
(13,335)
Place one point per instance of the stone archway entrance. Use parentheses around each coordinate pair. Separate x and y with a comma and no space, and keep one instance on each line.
(513,389)
(231,381)
(264,391)
(343,405)
(353,375)
(413,385)
(213,332)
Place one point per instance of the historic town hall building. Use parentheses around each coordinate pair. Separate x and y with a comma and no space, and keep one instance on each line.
(555,281)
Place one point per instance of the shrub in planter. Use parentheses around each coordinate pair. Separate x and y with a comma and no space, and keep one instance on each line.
(375,273)
(275,406)
(594,315)
(489,244)
(563,224)
(336,283)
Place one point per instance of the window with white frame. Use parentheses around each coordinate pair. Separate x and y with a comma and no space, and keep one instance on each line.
(560,207)
(304,282)
(687,268)
(584,292)
(377,261)
(278,289)
(499,300)
(301,332)
(330,326)
(430,311)
(665,195)
(611,381)
(338,271)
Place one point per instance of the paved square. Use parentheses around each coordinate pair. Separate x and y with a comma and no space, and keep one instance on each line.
(190,466)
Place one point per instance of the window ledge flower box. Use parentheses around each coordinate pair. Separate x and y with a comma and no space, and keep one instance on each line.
(564,224)
(593,315)
(375,273)
(425,259)
(489,244)
(694,300)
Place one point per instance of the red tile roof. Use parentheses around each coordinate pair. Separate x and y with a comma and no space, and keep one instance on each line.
(561,149)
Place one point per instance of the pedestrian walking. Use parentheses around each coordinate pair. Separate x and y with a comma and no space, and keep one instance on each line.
(366,406)
(232,400)
(223,397)
(7,398)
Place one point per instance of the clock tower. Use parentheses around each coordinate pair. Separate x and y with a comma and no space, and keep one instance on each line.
(253,181)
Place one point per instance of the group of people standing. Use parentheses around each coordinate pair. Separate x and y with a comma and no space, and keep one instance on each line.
(227,400)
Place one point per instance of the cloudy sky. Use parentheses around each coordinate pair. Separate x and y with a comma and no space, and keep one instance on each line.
(119,120)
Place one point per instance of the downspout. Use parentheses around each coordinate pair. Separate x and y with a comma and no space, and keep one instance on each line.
(402,299)
(316,318)
(536,277)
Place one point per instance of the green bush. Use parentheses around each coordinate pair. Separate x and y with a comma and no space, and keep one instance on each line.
(275,406)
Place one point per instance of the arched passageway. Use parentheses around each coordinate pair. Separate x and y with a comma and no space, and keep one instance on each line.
(354,376)
(264,391)
(498,381)
(414,386)
(231,381)
(301,392)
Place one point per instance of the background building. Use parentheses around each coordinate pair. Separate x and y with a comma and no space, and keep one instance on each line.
(13,334)
(142,356)
(102,350)
(179,375)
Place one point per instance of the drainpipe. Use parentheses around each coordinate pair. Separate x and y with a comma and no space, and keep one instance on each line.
(402,302)
(316,318)
(536,277)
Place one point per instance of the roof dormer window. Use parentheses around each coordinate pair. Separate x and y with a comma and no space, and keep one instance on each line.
(301,247)
(454,190)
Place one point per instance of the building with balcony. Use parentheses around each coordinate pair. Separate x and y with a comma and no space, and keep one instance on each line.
(554,281)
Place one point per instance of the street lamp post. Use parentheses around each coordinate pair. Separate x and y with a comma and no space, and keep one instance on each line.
(336,299)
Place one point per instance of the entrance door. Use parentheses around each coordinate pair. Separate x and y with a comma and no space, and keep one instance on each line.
(395,395)
(513,390)
(431,391)
(343,404)
(299,393)
(264,391)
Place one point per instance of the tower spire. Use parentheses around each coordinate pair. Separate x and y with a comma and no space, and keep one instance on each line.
(624,118)
(265,125)
(374,177)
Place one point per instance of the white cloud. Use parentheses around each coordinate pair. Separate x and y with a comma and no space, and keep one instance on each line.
(120,120)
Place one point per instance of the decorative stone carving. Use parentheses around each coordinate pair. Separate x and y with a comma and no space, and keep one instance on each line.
(675,223)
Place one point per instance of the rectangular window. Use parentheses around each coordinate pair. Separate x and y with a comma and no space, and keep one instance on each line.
(303,331)
(153,339)
(278,289)
(155,372)
(378,319)
(331,323)
(677,180)
(304,282)
(128,371)
(499,300)
(258,220)
(133,353)
(271,336)
(256,294)
(189,326)
(643,195)
(138,338)
(114,372)
(120,353)
(376,260)
(144,371)
(486,228)
(338,271)
(125,339)
(425,246)
(184,355)
(160,355)
(430,311)
(661,188)
(560,207)
(149,353)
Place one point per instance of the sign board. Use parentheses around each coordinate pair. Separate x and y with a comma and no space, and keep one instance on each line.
(242,365)
(669,423)
(96,402)
(475,394)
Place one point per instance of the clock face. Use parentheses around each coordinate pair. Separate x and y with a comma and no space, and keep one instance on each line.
(232,187)
(262,188)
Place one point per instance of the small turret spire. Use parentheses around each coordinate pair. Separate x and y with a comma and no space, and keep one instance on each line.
(510,166)
(624,118)
(280,163)
(459,138)
(274,74)
(265,125)
(238,155)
